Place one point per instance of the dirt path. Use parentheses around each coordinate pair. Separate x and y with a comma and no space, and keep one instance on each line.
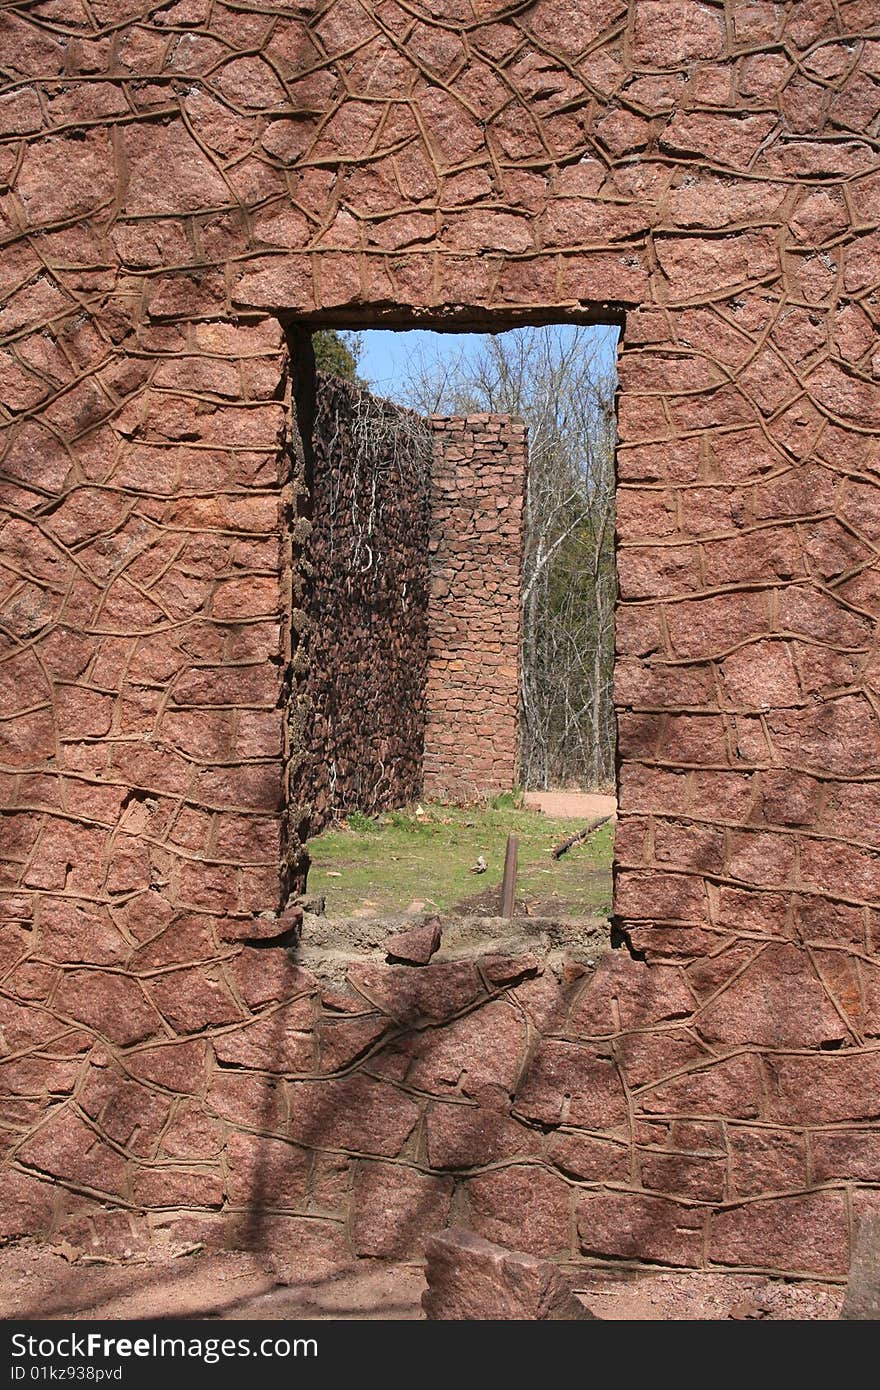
(38,1283)
(588,805)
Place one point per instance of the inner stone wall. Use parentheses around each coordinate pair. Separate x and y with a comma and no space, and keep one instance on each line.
(175,179)
(361,721)
(472,695)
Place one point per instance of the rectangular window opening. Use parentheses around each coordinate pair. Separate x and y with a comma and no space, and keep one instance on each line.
(455,583)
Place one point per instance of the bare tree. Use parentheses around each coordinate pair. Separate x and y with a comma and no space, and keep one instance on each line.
(561,382)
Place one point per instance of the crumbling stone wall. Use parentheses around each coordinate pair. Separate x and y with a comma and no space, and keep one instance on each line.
(412,560)
(176,177)
(361,723)
(471,734)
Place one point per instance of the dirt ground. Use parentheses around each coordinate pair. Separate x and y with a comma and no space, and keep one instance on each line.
(587,805)
(37,1282)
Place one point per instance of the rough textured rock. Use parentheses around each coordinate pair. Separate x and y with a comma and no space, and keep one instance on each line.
(415,947)
(175,181)
(863,1285)
(470,1279)
(472,692)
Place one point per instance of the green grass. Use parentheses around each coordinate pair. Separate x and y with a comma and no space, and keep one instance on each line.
(392,862)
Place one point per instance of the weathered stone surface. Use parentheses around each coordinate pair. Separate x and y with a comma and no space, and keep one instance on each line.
(27,1204)
(802,1234)
(580,1075)
(626,1226)
(396,1208)
(178,1187)
(286,927)
(478,483)
(354,1113)
(268,977)
(279,1040)
(342,1041)
(626,993)
(470,1279)
(68,1149)
(845,1153)
(434,992)
(732,1087)
(469,1136)
(112,1005)
(125,1111)
(525,1207)
(583,1156)
(147,601)
(482,1049)
(777,1001)
(417,946)
(266,1172)
(769,1160)
(824,1089)
(863,1285)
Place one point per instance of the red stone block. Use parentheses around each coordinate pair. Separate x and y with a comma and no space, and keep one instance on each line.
(669,32)
(248,1099)
(434,992)
(627,1225)
(807,1235)
(675,897)
(415,947)
(683,1175)
(111,1005)
(646,1057)
(596,1160)
(484,1048)
(730,1087)
(177,1187)
(343,1041)
(72,1152)
(822,920)
(263,976)
(79,933)
(396,1208)
(579,1075)
(777,1001)
(806,1090)
(525,1207)
(266,1172)
(352,1113)
(626,993)
(277,1041)
(193,999)
(26,1205)
(471,1136)
(839,869)
(765,1160)
(469,1278)
(191,1134)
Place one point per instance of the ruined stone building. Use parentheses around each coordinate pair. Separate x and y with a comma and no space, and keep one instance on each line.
(186,189)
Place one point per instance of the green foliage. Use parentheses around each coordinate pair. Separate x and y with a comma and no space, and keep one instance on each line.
(337,353)
(363,823)
(507,801)
(388,863)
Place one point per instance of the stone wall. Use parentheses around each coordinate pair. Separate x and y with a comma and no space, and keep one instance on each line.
(361,721)
(471,733)
(173,179)
(409,649)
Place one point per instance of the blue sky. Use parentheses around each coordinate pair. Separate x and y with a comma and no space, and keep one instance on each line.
(387,353)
